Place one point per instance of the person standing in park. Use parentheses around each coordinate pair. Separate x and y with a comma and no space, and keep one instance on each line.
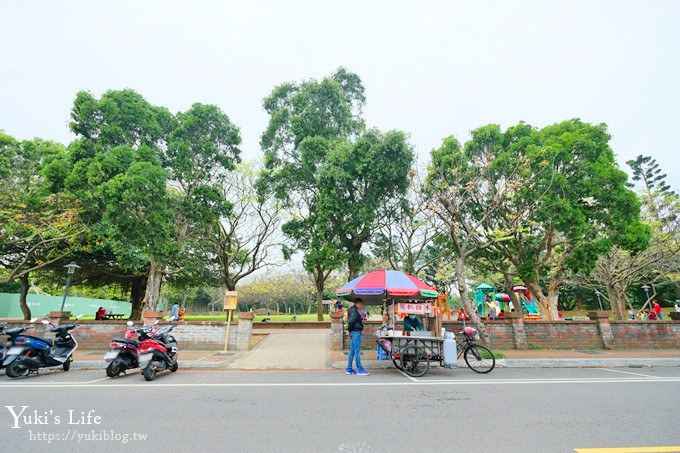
(355,326)
(174,313)
(657,309)
(677,306)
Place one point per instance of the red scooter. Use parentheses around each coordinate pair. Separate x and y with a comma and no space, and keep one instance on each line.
(158,352)
(124,353)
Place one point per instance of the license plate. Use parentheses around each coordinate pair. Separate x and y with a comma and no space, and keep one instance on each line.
(111,355)
(15,351)
(144,360)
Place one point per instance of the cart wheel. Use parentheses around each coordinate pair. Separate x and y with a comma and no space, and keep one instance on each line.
(479,358)
(397,363)
(414,361)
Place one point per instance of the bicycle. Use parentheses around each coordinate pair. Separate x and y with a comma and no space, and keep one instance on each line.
(478,358)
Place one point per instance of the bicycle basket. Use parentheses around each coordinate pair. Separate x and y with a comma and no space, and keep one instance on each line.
(471,333)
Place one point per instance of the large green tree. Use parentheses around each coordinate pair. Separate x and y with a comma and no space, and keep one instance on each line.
(37,228)
(307,120)
(360,181)
(581,205)
(128,149)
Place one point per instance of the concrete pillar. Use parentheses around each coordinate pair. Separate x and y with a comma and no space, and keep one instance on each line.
(149,317)
(59,317)
(245,331)
(519,334)
(604,328)
(337,331)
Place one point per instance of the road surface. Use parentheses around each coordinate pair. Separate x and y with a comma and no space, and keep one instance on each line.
(510,410)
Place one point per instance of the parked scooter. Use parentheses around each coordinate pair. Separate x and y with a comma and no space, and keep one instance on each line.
(30,353)
(158,353)
(124,352)
(11,336)
(3,326)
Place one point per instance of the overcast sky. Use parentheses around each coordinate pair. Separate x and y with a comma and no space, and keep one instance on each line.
(430,68)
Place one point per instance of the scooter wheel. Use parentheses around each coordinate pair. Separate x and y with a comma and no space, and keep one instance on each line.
(174,367)
(14,370)
(67,364)
(114,369)
(149,373)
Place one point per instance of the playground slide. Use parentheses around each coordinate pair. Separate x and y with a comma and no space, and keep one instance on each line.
(531,308)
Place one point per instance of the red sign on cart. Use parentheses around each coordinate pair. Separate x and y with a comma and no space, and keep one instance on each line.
(415,309)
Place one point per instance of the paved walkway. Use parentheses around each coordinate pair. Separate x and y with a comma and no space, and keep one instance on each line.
(308,350)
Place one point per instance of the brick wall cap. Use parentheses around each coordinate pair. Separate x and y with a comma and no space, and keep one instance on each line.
(598,314)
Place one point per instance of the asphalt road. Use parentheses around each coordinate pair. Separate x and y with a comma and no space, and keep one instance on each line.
(510,410)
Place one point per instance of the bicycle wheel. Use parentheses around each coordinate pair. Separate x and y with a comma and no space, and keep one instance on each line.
(479,358)
(414,361)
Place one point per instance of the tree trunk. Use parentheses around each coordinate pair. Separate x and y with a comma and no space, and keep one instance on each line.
(136,297)
(613,301)
(319,303)
(153,286)
(579,300)
(353,270)
(509,281)
(22,297)
(547,304)
(553,299)
(467,303)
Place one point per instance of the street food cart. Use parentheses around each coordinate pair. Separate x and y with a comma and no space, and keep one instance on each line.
(401,294)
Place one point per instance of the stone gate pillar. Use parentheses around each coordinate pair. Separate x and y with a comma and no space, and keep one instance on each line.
(603,327)
(245,331)
(337,331)
(519,334)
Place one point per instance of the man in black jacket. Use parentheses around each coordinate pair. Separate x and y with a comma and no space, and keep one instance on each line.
(355,325)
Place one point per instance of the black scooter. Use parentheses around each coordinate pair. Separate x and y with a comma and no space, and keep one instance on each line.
(30,353)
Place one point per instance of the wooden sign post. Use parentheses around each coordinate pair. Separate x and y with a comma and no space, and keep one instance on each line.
(230,304)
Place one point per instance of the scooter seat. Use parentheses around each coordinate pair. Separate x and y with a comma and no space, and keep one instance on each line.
(46,340)
(126,341)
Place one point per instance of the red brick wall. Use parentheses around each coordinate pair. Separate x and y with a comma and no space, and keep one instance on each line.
(97,335)
(646,334)
(563,334)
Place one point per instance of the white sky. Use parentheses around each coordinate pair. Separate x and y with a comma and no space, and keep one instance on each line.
(430,68)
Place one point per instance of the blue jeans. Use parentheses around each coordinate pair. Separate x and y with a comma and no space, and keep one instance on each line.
(354,349)
(659,317)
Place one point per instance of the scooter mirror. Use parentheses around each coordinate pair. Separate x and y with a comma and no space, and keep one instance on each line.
(155,322)
(33,320)
(79,316)
(45,321)
(130,323)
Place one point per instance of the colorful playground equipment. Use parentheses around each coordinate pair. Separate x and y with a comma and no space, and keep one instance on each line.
(488,302)
(527,304)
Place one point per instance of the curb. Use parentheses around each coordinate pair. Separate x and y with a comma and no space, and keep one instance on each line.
(587,363)
(543,363)
(186,364)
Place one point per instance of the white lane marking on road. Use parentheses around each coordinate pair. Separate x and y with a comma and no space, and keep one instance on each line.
(97,380)
(406,375)
(349,384)
(629,372)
